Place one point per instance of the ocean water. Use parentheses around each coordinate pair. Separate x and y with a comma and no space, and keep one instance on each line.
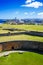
(1,23)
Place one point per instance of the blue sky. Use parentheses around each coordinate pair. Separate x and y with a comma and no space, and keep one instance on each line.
(9,9)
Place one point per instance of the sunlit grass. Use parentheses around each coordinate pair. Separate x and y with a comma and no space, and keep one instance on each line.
(21,37)
(25,27)
(27,58)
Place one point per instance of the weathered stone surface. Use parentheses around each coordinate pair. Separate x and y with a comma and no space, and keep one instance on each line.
(1,47)
(24,45)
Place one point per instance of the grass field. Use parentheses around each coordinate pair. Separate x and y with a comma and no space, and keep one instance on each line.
(21,37)
(25,27)
(27,58)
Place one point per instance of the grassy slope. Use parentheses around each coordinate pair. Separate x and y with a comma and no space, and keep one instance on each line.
(25,27)
(3,31)
(27,58)
(21,37)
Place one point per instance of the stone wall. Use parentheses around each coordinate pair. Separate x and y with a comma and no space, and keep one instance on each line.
(33,45)
(1,47)
(9,45)
(23,45)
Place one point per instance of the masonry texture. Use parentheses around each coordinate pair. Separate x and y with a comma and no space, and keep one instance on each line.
(22,45)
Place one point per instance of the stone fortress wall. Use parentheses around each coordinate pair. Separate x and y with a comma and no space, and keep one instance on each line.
(21,45)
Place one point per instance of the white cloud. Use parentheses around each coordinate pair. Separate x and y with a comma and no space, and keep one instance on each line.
(26,13)
(40,15)
(31,13)
(32,3)
(28,1)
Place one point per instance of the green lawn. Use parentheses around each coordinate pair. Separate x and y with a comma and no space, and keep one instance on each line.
(21,37)
(25,27)
(3,31)
(27,58)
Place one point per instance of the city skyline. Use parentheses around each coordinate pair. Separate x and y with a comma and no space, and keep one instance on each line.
(9,9)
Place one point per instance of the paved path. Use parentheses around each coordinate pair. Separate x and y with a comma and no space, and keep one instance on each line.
(8,52)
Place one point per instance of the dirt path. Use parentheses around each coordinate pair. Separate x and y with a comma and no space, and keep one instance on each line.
(8,52)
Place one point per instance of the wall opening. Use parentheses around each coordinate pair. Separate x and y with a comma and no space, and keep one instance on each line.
(12,48)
